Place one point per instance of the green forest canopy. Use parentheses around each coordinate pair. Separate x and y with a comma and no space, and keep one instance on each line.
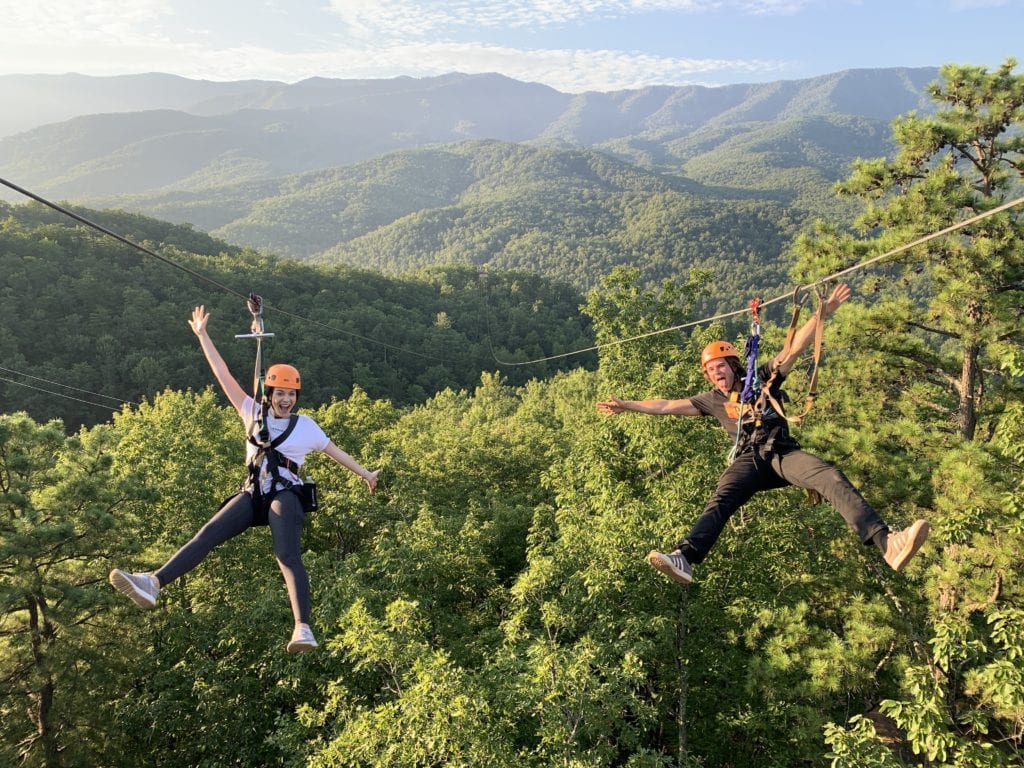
(491,606)
(84,310)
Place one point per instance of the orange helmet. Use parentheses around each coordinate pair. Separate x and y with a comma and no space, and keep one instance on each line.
(717,349)
(281,375)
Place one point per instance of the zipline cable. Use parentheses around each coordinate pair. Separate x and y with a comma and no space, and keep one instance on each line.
(66,386)
(819,281)
(120,238)
(204,278)
(61,394)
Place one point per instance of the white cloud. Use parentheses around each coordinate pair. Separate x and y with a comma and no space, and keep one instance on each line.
(566,70)
(374,38)
(404,19)
(570,70)
(99,20)
(382,39)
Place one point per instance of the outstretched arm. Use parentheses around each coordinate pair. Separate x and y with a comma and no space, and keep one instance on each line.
(234,391)
(370,478)
(804,335)
(614,405)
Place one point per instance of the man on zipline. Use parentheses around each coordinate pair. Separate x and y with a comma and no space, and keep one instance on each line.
(766,455)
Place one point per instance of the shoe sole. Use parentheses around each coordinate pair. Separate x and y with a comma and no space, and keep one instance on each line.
(300,646)
(654,558)
(120,581)
(919,531)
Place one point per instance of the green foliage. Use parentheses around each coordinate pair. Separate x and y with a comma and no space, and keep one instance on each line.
(89,315)
(428,712)
(60,523)
(938,378)
(491,603)
(858,746)
(576,216)
(569,214)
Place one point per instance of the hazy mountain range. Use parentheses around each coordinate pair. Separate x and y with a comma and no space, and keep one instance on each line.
(403,172)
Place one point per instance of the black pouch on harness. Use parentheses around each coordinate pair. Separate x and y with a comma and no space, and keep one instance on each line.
(307,494)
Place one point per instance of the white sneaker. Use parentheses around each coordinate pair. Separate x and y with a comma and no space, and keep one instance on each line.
(302,639)
(674,565)
(141,588)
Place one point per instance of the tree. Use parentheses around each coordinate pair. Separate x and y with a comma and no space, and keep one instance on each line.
(961,162)
(59,524)
(941,348)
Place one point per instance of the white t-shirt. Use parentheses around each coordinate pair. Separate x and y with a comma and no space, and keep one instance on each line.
(305,438)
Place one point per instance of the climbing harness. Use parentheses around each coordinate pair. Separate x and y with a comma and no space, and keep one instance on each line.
(267,456)
(752,380)
(756,396)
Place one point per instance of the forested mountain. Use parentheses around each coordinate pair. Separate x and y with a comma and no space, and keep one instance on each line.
(278,130)
(99,317)
(44,99)
(482,170)
(568,214)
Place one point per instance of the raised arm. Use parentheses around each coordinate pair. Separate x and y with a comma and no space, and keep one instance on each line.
(233,390)
(805,333)
(370,478)
(614,405)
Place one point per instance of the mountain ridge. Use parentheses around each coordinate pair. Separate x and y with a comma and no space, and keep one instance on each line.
(483,169)
(259,130)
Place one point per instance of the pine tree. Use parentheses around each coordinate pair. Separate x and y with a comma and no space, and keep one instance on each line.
(58,524)
(939,375)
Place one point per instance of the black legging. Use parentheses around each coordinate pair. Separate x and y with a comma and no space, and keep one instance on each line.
(760,470)
(238,514)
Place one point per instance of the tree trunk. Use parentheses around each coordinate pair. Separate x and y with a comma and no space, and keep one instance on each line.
(968,388)
(41,699)
(681,758)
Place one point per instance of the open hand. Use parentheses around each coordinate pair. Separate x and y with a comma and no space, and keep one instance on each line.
(611,406)
(840,294)
(199,319)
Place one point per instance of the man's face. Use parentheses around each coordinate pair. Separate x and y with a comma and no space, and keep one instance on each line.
(720,374)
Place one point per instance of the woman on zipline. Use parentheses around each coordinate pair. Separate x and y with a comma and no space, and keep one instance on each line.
(766,455)
(272,496)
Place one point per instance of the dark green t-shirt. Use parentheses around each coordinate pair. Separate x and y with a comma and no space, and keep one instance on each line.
(772,425)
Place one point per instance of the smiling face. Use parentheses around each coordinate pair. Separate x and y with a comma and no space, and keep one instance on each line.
(721,374)
(282,400)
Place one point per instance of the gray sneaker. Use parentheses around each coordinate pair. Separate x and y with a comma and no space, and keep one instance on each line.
(674,565)
(302,639)
(141,588)
(903,545)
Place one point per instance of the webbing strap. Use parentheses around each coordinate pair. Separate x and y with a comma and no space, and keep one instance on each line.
(819,330)
(752,381)
(819,333)
(292,421)
(798,302)
(275,459)
(766,386)
(255,305)
(739,431)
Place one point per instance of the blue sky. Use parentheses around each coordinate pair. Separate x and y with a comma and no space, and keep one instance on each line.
(571,45)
